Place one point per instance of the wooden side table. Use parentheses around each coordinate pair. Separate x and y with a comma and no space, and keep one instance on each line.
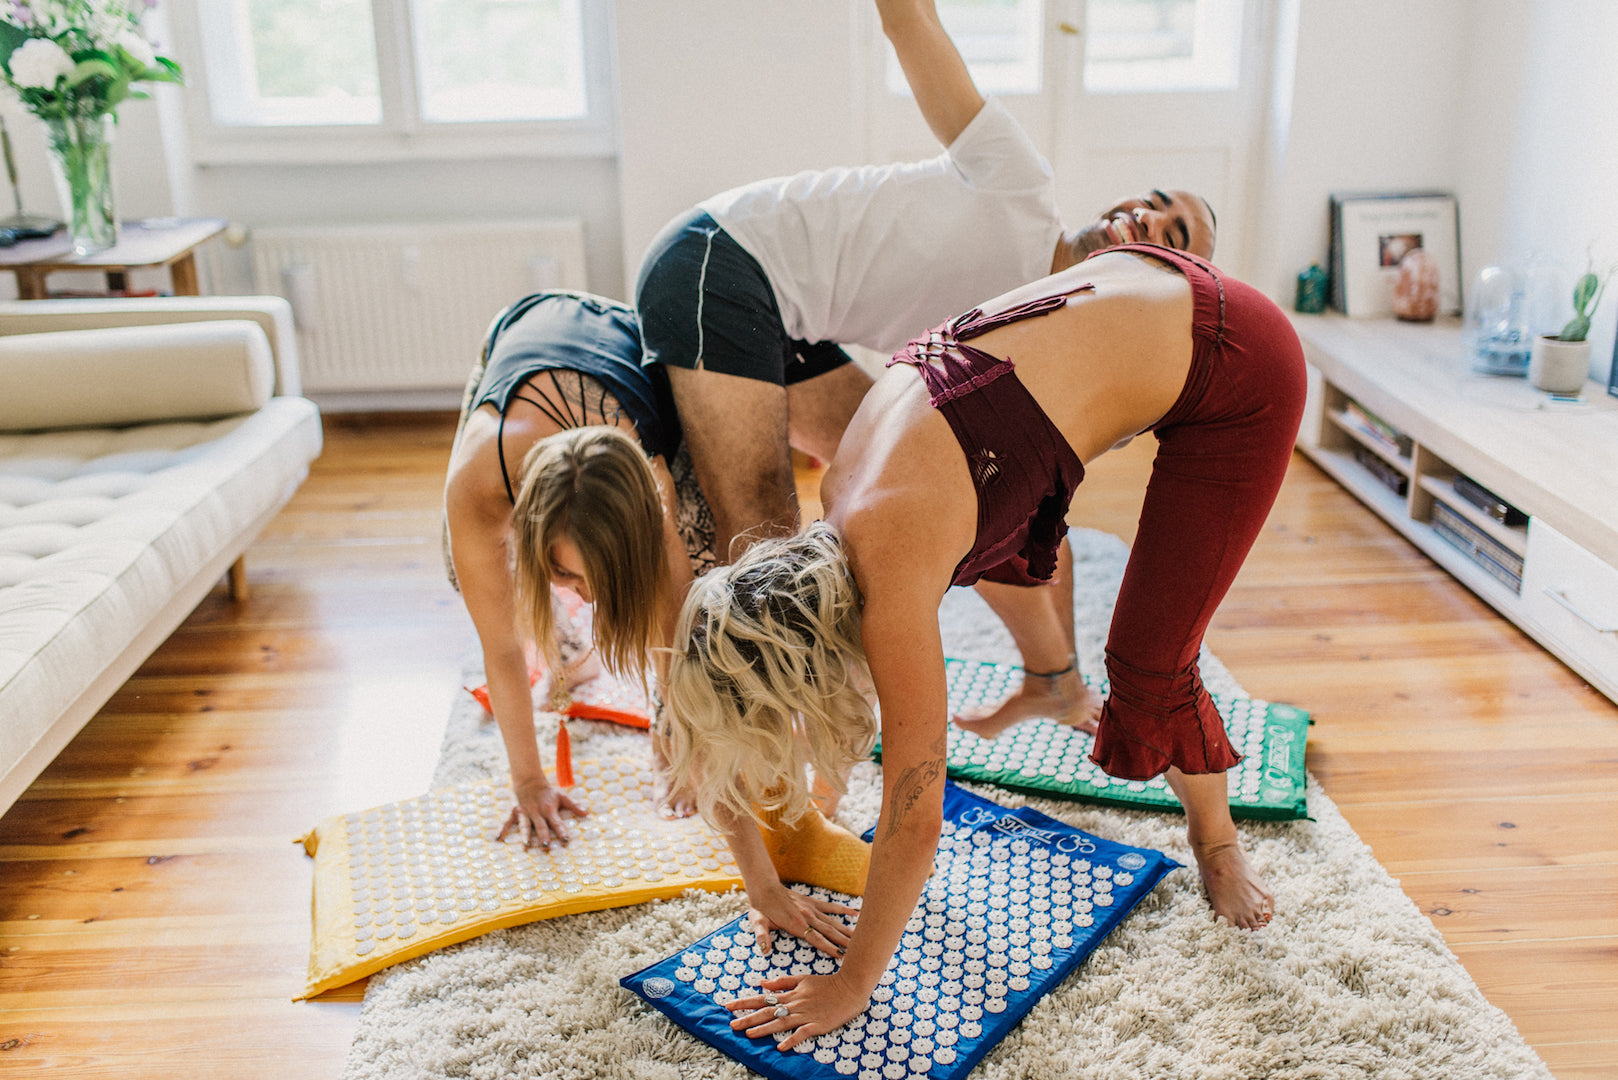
(151,242)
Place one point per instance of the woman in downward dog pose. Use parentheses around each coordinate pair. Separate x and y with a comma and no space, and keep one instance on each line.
(561,474)
(960,464)
(570,471)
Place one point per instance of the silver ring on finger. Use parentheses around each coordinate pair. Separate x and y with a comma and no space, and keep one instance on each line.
(781,1012)
(771,999)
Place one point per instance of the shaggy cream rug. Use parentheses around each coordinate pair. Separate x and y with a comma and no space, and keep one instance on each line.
(1350,981)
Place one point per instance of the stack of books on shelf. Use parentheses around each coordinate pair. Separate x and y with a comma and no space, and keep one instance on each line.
(1369,424)
(1494,557)
(1487,501)
(1390,478)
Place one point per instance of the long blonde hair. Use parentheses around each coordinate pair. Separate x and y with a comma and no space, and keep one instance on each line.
(595,487)
(766,678)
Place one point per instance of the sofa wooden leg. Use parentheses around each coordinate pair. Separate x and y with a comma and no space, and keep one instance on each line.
(238,579)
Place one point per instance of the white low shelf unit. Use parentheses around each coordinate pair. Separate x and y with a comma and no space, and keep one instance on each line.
(1555,461)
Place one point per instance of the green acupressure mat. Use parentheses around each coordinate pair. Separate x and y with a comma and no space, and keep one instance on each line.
(1042,757)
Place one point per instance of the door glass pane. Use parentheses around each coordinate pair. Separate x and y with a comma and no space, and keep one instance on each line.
(1142,46)
(291,62)
(482,60)
(1001,40)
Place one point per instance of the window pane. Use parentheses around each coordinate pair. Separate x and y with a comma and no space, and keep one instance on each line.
(1001,40)
(499,59)
(291,62)
(1143,46)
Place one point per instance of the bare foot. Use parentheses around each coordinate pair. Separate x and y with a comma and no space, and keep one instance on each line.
(1065,698)
(1234,890)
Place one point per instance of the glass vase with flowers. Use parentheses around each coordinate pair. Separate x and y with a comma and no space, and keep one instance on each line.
(72,63)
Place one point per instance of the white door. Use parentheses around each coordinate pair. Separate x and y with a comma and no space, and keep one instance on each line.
(1122,96)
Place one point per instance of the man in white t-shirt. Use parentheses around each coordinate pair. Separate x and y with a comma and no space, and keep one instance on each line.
(747,299)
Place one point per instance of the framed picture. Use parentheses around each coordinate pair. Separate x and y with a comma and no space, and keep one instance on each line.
(1612,372)
(1370,233)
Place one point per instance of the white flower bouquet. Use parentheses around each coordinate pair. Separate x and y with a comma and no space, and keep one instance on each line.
(72,63)
(78,58)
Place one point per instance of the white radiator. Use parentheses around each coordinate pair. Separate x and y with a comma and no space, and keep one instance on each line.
(404,307)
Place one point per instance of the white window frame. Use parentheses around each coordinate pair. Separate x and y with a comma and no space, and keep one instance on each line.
(1214,65)
(1025,79)
(402,135)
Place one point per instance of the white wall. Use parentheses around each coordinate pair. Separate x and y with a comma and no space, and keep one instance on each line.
(715,93)
(1508,103)
(1373,108)
(421,193)
(1490,109)
(1552,145)
(152,180)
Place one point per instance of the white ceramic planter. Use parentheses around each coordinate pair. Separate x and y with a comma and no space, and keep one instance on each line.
(1557,366)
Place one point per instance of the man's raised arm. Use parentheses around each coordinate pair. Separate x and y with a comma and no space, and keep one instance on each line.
(933,66)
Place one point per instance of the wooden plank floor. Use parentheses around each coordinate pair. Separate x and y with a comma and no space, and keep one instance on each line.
(153,909)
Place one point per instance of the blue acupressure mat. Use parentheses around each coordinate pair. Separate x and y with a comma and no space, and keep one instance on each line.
(1016,901)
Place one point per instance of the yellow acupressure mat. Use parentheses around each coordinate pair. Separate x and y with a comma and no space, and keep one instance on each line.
(400,880)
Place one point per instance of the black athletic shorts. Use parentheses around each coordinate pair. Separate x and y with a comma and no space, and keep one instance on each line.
(704,302)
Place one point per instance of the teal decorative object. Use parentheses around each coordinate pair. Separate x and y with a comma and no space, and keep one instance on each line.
(1313,285)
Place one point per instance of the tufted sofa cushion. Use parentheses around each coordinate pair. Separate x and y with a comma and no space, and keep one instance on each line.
(133,374)
(101,528)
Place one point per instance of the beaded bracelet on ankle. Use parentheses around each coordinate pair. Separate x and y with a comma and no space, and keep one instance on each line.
(1072,666)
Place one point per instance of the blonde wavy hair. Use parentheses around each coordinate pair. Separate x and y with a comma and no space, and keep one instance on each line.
(765,681)
(595,487)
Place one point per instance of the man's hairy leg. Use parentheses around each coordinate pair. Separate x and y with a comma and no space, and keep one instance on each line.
(736,430)
(820,408)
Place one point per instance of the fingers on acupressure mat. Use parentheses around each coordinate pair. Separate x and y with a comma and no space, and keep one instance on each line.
(1043,757)
(1016,901)
(400,880)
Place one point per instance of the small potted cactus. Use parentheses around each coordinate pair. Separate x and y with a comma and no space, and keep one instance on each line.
(1560,362)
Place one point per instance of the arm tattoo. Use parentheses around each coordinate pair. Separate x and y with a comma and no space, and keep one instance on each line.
(913,781)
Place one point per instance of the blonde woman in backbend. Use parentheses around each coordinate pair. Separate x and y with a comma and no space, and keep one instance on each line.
(958,467)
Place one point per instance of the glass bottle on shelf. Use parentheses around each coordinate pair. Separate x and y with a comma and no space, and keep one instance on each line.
(1497,332)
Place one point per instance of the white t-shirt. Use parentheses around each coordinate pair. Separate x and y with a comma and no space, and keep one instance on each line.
(877,254)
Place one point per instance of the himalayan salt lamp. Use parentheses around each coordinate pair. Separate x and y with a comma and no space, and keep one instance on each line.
(1415,293)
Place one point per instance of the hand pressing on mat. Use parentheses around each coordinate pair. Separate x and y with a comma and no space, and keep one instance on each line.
(805,1005)
(537,817)
(671,803)
(815,921)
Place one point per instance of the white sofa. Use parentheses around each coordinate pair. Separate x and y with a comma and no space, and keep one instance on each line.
(144,443)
